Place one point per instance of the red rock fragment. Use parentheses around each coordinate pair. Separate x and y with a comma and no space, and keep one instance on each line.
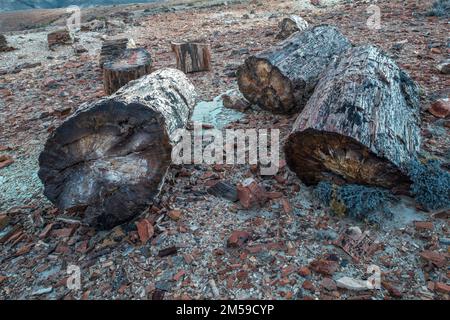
(325,267)
(393,291)
(304,272)
(441,287)
(423,225)
(440,108)
(238,239)
(174,214)
(251,194)
(5,161)
(145,230)
(308,285)
(436,258)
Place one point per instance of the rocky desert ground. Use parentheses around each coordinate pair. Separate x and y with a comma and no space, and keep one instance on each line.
(203,246)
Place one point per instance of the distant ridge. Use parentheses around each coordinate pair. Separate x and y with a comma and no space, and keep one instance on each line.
(13,5)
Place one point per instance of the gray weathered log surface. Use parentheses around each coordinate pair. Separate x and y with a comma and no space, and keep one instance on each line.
(192,57)
(130,65)
(283,78)
(290,25)
(110,158)
(360,126)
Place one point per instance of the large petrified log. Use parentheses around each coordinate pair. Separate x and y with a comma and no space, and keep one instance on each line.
(192,57)
(131,65)
(361,125)
(110,158)
(283,78)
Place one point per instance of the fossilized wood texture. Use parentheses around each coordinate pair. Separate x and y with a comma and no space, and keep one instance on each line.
(361,125)
(109,159)
(192,57)
(290,25)
(130,65)
(111,49)
(59,37)
(283,78)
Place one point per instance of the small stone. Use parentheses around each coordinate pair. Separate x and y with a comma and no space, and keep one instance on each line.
(251,194)
(328,284)
(308,285)
(351,284)
(436,258)
(238,239)
(145,230)
(393,291)
(325,267)
(440,108)
(423,225)
(444,67)
(304,272)
(441,287)
(174,214)
(5,161)
(4,220)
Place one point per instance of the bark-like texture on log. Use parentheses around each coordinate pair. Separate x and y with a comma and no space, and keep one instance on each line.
(192,57)
(131,65)
(283,78)
(110,158)
(360,126)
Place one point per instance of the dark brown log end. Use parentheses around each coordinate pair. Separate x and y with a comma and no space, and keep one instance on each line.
(264,84)
(109,159)
(317,155)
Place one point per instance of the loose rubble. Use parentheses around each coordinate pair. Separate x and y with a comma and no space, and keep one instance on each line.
(222,231)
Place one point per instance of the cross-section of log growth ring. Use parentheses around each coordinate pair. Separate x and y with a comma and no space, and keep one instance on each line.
(109,159)
(360,126)
(282,78)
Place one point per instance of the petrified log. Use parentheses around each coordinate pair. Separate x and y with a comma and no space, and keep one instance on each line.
(283,78)
(290,25)
(109,159)
(192,57)
(59,37)
(4,44)
(361,125)
(131,65)
(111,49)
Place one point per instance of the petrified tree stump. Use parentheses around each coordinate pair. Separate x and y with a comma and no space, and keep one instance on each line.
(4,44)
(59,37)
(131,65)
(192,57)
(360,126)
(283,78)
(111,49)
(290,25)
(109,159)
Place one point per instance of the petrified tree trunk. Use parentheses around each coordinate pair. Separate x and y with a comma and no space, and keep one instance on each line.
(283,78)
(290,25)
(4,44)
(192,57)
(59,37)
(110,158)
(131,65)
(360,126)
(111,49)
